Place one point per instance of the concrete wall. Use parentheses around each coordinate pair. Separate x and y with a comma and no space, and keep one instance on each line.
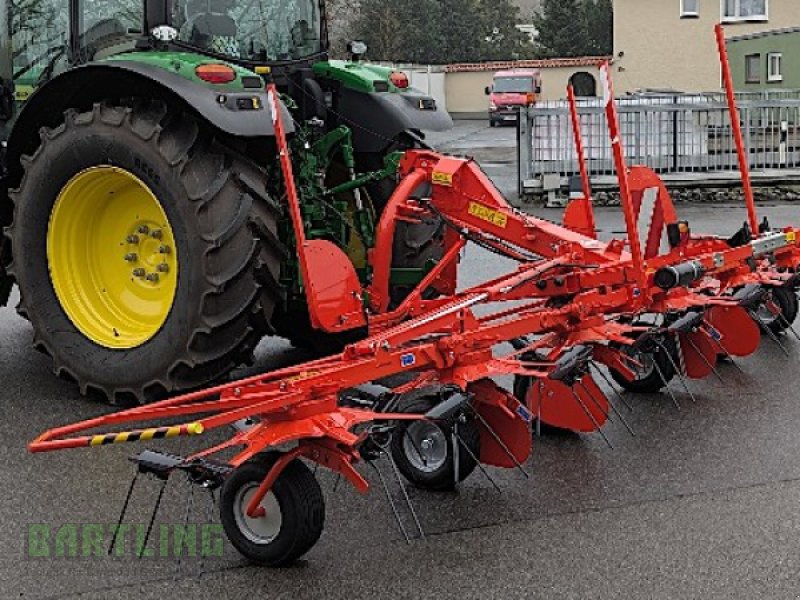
(465,90)
(785,43)
(663,50)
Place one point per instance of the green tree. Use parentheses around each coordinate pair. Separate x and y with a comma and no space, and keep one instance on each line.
(562,30)
(575,28)
(599,15)
(401,31)
(501,38)
(441,31)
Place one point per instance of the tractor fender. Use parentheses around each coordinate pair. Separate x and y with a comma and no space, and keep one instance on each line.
(377,119)
(244,114)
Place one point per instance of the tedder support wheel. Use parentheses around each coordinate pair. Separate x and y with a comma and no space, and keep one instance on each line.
(786,300)
(294,512)
(144,251)
(423,450)
(648,379)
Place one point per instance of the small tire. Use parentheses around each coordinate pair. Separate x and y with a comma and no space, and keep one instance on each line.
(435,471)
(648,380)
(786,300)
(296,496)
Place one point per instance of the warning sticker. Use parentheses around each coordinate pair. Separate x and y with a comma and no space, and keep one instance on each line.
(441,178)
(487,214)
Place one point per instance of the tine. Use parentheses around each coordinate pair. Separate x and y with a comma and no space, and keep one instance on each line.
(771,334)
(500,443)
(189,507)
(413,512)
(591,417)
(677,369)
(611,385)
(210,510)
(788,325)
(153,518)
(595,401)
(613,408)
(391,501)
(666,384)
(704,359)
(122,513)
(477,461)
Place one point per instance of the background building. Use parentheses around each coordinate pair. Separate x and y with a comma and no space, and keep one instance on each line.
(767,60)
(670,44)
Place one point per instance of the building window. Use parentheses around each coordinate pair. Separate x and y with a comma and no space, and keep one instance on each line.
(774,67)
(744,10)
(752,68)
(690,8)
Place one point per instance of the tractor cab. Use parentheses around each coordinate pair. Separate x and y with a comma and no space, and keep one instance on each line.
(41,43)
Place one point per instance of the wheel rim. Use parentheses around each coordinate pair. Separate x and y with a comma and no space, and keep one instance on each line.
(112,257)
(764,315)
(261,530)
(647,362)
(425,446)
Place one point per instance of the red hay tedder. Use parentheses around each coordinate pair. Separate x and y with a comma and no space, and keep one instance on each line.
(571,312)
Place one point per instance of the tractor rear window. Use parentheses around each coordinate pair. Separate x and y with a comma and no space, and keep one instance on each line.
(253,30)
(507,85)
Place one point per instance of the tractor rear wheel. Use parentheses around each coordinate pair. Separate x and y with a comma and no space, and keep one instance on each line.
(136,254)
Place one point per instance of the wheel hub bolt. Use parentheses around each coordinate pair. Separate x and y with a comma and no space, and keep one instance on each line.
(164,249)
(132,239)
(138,273)
(131,257)
(163,268)
(152,277)
(144,229)
(156,234)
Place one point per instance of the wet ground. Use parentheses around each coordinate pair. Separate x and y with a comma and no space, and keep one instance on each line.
(703,502)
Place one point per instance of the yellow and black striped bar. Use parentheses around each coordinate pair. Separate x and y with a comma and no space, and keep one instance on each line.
(155,433)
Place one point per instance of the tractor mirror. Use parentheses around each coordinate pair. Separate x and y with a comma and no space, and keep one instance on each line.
(356,49)
(488,90)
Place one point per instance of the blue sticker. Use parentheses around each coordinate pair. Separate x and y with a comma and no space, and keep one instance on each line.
(715,334)
(408,360)
(637,292)
(524,413)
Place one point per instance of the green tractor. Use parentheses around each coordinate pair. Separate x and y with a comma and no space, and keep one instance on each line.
(143,209)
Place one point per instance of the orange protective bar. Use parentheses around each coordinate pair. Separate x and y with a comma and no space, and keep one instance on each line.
(581,152)
(736,126)
(622,176)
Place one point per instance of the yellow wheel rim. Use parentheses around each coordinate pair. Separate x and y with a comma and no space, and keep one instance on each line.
(112,257)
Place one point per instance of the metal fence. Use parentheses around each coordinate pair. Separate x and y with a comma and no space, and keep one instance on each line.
(686,138)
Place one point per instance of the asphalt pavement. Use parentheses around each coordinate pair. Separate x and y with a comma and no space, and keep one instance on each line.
(703,502)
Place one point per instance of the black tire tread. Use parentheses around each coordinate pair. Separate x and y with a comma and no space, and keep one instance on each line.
(420,402)
(234,305)
(303,491)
